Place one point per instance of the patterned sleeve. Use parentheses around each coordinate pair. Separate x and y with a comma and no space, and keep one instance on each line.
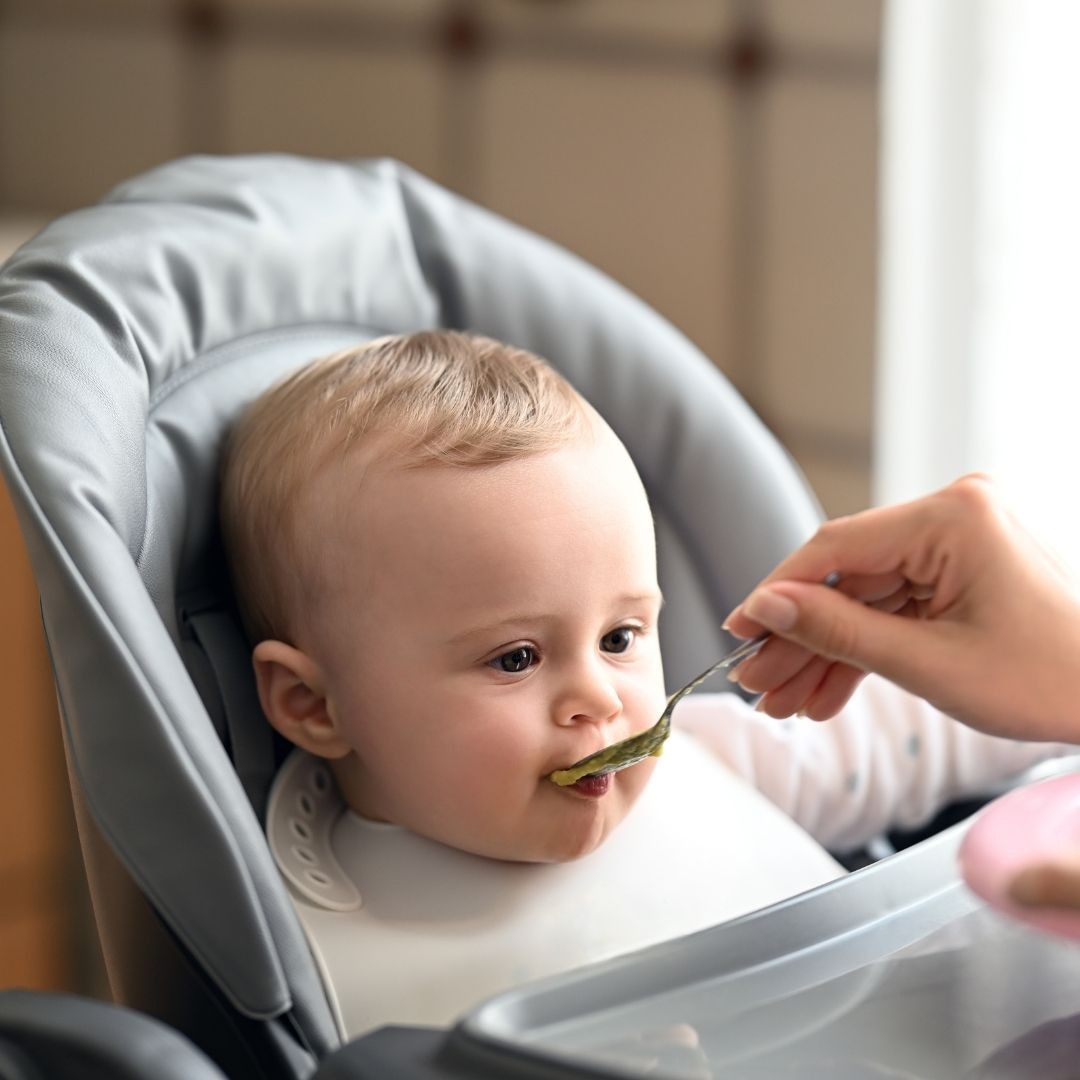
(888,759)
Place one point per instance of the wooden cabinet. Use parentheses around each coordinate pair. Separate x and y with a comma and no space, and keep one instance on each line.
(41,891)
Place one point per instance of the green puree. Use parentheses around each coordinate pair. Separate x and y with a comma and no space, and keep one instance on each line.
(617,756)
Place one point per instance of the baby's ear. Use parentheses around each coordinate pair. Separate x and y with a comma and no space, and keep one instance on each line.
(293,696)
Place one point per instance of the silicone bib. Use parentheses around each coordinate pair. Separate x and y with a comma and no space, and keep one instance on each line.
(1026,826)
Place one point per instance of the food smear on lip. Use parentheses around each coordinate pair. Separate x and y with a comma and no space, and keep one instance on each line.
(602,763)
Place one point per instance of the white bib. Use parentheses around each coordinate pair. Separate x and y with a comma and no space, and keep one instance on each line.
(406,930)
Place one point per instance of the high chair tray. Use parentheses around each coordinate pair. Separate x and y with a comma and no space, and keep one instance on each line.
(896,970)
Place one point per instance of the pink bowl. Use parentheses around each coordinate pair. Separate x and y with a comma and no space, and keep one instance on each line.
(1027,826)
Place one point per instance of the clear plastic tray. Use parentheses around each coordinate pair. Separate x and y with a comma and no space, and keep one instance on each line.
(895,971)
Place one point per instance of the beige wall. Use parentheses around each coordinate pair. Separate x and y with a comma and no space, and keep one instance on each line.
(716,156)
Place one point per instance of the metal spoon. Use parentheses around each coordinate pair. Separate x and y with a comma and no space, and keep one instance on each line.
(649,743)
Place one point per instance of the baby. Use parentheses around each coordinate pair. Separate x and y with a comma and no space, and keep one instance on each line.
(447,562)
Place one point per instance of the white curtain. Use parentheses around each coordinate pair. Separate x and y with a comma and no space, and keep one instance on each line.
(979,340)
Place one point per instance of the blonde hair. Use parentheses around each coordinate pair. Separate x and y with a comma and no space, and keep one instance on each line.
(430,398)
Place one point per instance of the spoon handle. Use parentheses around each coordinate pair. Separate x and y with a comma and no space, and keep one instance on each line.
(739,653)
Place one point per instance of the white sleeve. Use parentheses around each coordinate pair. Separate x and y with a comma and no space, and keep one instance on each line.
(888,759)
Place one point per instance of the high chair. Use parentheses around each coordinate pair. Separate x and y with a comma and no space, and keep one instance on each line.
(131,334)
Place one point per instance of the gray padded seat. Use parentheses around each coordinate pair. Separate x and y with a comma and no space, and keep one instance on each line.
(62,1037)
(131,333)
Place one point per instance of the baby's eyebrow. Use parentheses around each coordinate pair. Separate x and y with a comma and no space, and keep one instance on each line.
(493,627)
(532,617)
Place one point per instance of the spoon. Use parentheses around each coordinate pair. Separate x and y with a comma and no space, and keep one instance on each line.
(650,743)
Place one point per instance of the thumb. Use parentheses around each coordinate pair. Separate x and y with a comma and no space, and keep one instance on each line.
(833,625)
(1051,884)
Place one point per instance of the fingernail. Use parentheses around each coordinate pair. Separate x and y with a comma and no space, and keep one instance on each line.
(726,624)
(760,706)
(771,609)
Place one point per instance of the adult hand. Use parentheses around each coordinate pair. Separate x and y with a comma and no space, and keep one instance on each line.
(1053,884)
(947,596)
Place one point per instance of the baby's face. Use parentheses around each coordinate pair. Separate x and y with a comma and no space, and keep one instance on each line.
(493,625)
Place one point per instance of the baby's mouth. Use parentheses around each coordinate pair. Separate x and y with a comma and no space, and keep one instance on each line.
(611,759)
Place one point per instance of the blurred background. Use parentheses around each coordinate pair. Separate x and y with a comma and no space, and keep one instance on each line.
(804,187)
(718,157)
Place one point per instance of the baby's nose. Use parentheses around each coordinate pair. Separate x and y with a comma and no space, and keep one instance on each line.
(590,696)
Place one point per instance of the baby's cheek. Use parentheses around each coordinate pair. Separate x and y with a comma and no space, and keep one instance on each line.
(645,705)
(639,775)
(497,758)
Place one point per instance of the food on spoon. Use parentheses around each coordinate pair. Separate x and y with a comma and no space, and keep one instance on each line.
(628,752)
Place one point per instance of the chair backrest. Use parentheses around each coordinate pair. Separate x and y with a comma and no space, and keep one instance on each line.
(131,333)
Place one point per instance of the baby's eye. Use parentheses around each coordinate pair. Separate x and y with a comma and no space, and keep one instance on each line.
(617,641)
(516,660)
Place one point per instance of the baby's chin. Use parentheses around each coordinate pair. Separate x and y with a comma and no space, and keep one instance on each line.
(558,847)
(570,848)
(573,840)
(560,827)
(555,844)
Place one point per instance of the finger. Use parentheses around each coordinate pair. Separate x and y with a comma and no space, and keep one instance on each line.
(894,602)
(876,542)
(834,692)
(921,607)
(1050,884)
(675,1035)
(776,663)
(831,625)
(788,698)
(874,588)
(883,592)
